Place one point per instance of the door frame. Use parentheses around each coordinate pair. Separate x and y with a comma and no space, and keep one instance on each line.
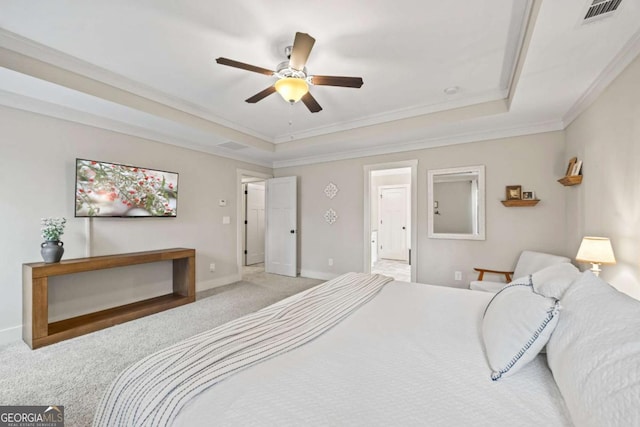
(243,173)
(387,187)
(366,235)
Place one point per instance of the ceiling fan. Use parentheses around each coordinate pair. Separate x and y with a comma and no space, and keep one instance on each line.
(293,79)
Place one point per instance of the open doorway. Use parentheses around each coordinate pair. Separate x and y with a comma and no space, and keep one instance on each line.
(390,198)
(251,222)
(254,225)
(267,224)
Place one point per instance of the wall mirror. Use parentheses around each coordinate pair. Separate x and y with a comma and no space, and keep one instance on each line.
(455,202)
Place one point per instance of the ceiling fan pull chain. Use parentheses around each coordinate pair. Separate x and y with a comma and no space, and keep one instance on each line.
(290,115)
(291,121)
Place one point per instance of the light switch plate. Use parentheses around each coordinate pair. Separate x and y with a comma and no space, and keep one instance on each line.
(226,220)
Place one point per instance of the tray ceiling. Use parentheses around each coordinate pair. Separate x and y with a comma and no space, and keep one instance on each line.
(147,68)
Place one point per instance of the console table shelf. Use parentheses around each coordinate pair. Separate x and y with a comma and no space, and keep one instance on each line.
(38,332)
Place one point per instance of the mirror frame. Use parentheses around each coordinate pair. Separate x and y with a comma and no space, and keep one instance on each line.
(480,234)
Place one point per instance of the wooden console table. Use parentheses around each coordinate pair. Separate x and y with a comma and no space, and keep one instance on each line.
(38,332)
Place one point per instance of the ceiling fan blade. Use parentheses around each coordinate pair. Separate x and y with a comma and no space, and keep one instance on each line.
(311,103)
(337,81)
(302,45)
(242,65)
(260,95)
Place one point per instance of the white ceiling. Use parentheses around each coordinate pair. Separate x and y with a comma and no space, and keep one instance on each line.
(162,53)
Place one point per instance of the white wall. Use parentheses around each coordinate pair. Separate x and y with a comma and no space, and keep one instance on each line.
(607,203)
(37,171)
(534,161)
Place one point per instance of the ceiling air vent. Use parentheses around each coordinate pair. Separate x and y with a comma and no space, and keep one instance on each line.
(600,9)
(232,146)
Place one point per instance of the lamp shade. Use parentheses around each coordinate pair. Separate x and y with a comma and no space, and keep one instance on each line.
(292,88)
(596,250)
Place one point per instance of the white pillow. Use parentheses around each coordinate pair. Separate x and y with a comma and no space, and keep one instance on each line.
(594,354)
(517,324)
(554,281)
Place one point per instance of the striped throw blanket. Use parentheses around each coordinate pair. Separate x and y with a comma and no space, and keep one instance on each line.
(152,391)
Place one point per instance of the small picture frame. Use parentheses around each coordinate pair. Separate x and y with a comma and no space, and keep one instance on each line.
(514,192)
(528,195)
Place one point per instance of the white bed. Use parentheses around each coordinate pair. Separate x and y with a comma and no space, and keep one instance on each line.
(412,355)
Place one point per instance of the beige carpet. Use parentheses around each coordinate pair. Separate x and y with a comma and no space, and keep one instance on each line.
(76,372)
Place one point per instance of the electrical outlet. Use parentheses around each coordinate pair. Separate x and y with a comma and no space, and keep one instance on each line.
(458,275)
(330,262)
(212,267)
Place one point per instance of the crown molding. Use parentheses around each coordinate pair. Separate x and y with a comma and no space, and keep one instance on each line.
(51,73)
(24,103)
(400,114)
(473,136)
(32,105)
(629,52)
(44,54)
(390,130)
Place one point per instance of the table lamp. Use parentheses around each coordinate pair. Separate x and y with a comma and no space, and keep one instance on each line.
(597,251)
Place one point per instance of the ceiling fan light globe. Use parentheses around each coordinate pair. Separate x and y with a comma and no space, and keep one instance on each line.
(292,89)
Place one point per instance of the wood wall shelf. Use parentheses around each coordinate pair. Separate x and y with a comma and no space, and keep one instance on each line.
(38,332)
(519,203)
(568,181)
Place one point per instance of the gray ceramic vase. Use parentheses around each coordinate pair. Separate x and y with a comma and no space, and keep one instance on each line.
(51,251)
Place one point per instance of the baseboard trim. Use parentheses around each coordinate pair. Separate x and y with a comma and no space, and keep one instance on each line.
(321,275)
(10,335)
(216,283)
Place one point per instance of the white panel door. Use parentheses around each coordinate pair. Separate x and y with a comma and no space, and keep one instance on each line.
(392,227)
(281,223)
(255,223)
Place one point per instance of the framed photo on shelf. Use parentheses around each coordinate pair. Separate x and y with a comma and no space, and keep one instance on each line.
(528,195)
(514,192)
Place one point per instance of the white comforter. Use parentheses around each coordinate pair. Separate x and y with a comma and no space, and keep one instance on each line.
(411,356)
